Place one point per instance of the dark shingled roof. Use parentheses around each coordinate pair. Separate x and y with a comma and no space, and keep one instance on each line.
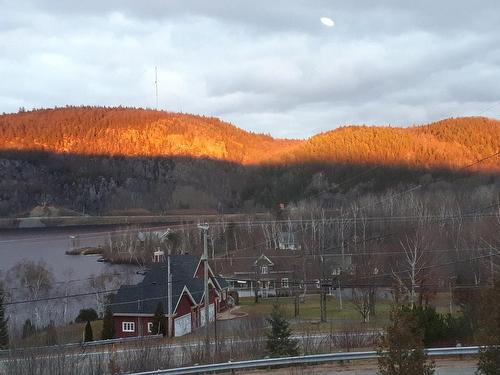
(222,282)
(143,298)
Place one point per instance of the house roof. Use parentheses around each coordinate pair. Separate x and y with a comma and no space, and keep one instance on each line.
(284,264)
(222,282)
(263,257)
(144,297)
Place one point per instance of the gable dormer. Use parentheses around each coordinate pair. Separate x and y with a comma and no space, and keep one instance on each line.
(263,265)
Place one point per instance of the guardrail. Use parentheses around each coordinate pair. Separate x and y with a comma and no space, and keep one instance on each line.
(80,344)
(302,360)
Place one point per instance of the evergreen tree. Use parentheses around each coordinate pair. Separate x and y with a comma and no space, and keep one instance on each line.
(401,350)
(51,334)
(108,328)
(279,341)
(159,323)
(4,332)
(489,331)
(87,333)
(28,329)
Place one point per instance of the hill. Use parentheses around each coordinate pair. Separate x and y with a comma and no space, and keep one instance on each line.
(451,143)
(100,160)
(133,132)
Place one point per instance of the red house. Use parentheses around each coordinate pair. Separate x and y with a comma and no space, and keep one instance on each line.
(134,306)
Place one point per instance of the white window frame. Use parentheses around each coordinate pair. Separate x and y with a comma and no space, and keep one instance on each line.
(284,283)
(128,326)
(150,327)
(264,270)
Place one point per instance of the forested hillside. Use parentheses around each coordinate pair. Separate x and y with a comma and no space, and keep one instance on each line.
(133,132)
(452,143)
(96,160)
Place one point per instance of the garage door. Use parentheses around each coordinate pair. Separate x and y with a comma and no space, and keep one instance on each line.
(211,314)
(182,325)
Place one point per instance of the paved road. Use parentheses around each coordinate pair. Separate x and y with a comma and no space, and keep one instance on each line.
(443,367)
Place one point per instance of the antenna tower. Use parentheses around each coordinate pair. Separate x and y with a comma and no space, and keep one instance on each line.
(156,86)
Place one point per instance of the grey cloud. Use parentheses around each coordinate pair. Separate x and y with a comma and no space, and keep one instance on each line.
(265,66)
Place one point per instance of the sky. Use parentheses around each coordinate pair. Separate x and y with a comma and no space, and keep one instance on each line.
(265,66)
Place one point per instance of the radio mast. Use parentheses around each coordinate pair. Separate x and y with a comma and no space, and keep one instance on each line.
(156,86)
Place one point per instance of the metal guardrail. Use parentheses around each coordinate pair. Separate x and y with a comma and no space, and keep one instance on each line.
(302,360)
(80,344)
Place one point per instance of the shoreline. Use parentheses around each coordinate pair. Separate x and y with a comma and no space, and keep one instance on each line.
(105,221)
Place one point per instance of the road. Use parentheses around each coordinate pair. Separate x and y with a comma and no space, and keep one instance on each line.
(443,367)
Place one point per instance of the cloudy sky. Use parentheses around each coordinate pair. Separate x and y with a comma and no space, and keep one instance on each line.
(266,66)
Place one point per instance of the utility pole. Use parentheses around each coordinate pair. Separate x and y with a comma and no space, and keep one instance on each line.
(204,228)
(296,302)
(491,268)
(451,298)
(340,294)
(169,297)
(323,291)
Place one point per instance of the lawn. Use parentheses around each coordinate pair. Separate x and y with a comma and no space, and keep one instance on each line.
(309,310)
(71,333)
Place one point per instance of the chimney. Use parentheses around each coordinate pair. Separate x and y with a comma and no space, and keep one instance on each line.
(158,256)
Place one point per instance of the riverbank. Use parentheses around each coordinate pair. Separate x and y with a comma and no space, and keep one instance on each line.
(77,221)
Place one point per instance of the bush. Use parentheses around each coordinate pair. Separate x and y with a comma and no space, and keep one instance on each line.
(439,329)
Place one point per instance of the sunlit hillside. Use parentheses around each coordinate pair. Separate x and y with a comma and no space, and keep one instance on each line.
(134,132)
(451,143)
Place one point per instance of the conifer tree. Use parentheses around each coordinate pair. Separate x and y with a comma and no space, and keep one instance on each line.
(51,334)
(401,350)
(489,331)
(279,340)
(108,328)
(4,332)
(88,335)
(28,329)
(159,326)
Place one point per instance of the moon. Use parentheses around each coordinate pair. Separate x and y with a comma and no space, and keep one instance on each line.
(327,21)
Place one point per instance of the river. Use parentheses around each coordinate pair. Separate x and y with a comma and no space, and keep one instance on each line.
(71,272)
(49,245)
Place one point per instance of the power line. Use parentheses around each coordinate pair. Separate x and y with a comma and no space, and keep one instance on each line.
(294,282)
(413,188)
(93,293)
(257,223)
(329,255)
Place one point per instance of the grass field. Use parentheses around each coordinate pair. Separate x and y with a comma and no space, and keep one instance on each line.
(67,334)
(309,310)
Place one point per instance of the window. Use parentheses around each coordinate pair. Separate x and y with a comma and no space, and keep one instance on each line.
(264,270)
(128,327)
(284,282)
(150,327)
